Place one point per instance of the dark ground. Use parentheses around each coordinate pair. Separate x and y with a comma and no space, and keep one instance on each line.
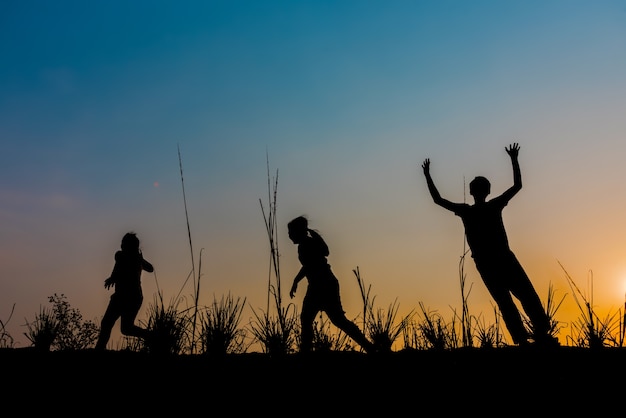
(498,382)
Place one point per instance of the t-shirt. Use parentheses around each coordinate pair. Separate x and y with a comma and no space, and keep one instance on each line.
(312,253)
(127,272)
(484,228)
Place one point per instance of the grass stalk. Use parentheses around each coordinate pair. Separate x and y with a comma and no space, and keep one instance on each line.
(466,326)
(275,333)
(6,340)
(196,282)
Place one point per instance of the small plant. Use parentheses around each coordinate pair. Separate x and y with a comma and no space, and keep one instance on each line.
(43,331)
(622,327)
(551,309)
(380,324)
(489,336)
(436,334)
(196,284)
(382,327)
(467,339)
(595,332)
(133,344)
(589,330)
(61,327)
(412,337)
(219,333)
(168,328)
(6,340)
(324,340)
(277,333)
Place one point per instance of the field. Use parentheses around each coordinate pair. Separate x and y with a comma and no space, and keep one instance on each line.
(504,381)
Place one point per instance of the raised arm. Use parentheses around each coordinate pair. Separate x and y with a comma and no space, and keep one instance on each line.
(513,151)
(434,193)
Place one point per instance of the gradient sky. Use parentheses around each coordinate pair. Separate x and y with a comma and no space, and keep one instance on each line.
(345,99)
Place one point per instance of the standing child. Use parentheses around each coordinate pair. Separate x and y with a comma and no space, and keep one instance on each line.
(128,297)
(323,287)
(498,266)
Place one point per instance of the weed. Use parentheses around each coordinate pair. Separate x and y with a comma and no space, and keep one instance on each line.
(466,320)
(324,340)
(130,343)
(43,331)
(380,325)
(551,309)
(435,332)
(168,327)
(220,334)
(589,330)
(196,280)
(489,336)
(276,333)
(61,327)
(412,337)
(6,340)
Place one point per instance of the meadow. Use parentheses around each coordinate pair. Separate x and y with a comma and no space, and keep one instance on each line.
(205,358)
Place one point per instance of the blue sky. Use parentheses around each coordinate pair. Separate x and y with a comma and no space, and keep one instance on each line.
(345,99)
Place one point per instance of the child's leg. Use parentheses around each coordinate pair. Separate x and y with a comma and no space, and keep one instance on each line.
(108,321)
(340,320)
(307,317)
(127,325)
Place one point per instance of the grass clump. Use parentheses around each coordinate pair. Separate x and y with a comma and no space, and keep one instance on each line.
(324,340)
(489,335)
(220,333)
(169,329)
(43,331)
(589,330)
(6,340)
(277,334)
(381,326)
(435,332)
(551,307)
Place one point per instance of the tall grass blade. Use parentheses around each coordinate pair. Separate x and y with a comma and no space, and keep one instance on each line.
(193,263)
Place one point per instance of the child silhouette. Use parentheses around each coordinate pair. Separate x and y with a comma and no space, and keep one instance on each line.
(128,297)
(498,266)
(323,287)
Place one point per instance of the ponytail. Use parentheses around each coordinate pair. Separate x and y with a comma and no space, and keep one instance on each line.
(317,238)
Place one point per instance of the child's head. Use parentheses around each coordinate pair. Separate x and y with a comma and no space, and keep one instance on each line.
(480,188)
(298,227)
(130,242)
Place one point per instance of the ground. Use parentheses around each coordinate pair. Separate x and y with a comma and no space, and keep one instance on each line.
(494,382)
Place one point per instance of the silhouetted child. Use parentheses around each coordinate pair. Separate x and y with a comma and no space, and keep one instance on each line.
(323,287)
(497,264)
(128,296)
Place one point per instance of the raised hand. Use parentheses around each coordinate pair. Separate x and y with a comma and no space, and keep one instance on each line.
(512,150)
(426,166)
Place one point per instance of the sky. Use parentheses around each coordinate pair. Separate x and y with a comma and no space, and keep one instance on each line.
(169,119)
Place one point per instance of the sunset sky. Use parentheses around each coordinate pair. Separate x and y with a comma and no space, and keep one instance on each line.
(345,99)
